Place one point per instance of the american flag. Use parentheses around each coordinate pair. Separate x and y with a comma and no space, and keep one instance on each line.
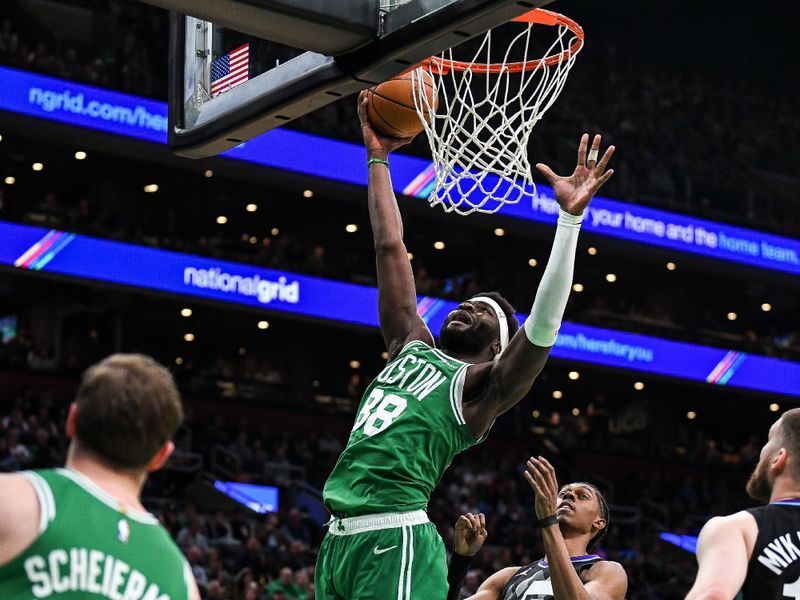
(230,70)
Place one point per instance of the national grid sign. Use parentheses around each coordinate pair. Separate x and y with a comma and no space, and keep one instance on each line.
(87,258)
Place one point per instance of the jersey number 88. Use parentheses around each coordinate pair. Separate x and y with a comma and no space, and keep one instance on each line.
(379,411)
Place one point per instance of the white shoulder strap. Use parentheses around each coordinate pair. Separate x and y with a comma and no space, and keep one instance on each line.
(47,504)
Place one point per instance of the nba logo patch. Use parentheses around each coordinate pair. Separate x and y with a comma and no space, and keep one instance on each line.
(123,531)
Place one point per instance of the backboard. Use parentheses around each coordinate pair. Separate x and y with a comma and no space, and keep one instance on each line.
(281,59)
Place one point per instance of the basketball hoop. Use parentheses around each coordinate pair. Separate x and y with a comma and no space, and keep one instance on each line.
(487,110)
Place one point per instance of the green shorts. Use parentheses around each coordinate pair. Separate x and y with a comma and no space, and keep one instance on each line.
(388,556)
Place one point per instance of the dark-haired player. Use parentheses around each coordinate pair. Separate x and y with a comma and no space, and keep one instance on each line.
(755,554)
(573,519)
(428,404)
(81,532)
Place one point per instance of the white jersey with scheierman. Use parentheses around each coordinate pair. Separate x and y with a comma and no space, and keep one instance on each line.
(408,429)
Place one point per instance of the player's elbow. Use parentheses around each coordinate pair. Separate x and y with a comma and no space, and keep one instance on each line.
(389,246)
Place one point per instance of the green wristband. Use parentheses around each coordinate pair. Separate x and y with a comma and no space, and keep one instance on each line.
(377,161)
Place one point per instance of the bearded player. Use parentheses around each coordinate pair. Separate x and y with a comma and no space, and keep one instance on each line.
(755,553)
(573,520)
(81,532)
(428,404)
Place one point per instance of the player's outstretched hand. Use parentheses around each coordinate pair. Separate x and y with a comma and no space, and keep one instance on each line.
(378,145)
(542,478)
(573,193)
(470,534)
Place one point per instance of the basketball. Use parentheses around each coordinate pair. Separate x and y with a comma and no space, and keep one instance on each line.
(391,104)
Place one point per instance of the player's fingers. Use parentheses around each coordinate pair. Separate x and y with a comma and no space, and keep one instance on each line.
(541,473)
(482,520)
(362,107)
(547,172)
(601,166)
(582,150)
(533,469)
(551,475)
(592,158)
(599,183)
(532,482)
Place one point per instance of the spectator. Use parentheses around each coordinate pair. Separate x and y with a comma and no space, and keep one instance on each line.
(284,585)
(192,536)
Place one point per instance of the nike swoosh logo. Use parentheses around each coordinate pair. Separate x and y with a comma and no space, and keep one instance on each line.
(375,550)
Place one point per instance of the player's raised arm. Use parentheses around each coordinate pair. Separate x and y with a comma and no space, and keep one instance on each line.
(514,372)
(397,298)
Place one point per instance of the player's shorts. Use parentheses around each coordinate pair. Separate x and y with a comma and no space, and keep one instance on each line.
(387,556)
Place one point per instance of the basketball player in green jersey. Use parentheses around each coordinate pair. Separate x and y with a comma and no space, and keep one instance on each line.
(429,403)
(81,532)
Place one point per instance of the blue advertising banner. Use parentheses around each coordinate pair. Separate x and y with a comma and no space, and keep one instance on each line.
(122,114)
(63,253)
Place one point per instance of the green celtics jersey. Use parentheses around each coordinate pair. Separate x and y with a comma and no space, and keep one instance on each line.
(90,547)
(408,429)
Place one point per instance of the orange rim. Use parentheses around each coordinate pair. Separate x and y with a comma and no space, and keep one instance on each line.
(537,16)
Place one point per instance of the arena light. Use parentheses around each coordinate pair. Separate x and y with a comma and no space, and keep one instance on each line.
(410,255)
(242,351)
(576,411)
(37,166)
(80,155)
(351,228)
(532,262)
(638,386)
(438,245)
(766,307)
(308,194)
(691,415)
(222,219)
(251,207)
(611,278)
(274,231)
(499,231)
(385,355)
(253,239)
(574,375)
(732,316)
(186,312)
(671,266)
(10,180)
(151,188)
(355,364)
(208,173)
(591,250)
(774,407)
(178,360)
(558,394)
(1,138)
(263,324)
(577,287)
(188,337)
(536,414)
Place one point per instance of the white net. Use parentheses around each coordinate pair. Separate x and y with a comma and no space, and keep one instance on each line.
(486,112)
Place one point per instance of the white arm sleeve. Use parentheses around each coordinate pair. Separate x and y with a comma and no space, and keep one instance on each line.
(542,325)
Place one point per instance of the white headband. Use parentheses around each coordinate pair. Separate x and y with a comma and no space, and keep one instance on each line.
(501,319)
